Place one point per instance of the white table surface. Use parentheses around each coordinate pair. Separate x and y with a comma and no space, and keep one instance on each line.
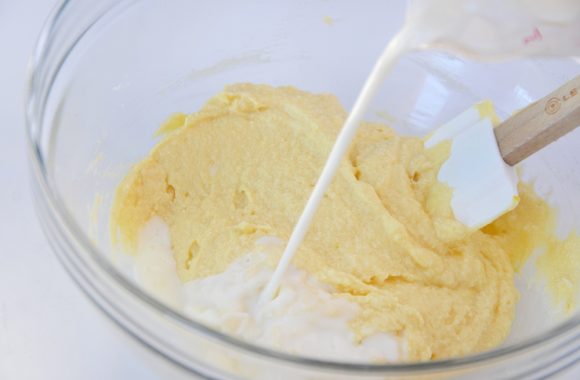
(48,330)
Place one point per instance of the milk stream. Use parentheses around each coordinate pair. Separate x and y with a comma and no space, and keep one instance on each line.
(398,46)
(481,29)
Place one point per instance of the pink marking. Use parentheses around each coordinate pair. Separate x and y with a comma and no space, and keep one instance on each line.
(535,36)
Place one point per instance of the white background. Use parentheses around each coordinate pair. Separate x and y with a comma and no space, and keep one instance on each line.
(47,329)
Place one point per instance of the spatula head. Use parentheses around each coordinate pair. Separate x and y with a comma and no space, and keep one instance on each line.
(484,186)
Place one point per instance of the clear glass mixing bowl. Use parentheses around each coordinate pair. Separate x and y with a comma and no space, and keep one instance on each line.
(106,73)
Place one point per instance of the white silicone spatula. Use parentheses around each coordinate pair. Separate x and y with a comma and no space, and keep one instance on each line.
(480,170)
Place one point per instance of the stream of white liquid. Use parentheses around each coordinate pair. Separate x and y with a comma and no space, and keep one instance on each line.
(397,47)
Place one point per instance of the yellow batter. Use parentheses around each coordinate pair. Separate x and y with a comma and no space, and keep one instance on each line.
(384,236)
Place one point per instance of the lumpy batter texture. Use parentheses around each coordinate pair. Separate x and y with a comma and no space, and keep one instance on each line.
(384,236)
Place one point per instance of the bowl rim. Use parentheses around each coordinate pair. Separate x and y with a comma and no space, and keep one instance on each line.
(67,225)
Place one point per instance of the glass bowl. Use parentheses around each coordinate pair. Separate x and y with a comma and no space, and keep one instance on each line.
(106,74)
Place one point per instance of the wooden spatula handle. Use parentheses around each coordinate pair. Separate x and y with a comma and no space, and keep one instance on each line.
(540,123)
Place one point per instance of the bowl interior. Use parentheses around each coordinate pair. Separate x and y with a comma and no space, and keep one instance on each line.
(145,60)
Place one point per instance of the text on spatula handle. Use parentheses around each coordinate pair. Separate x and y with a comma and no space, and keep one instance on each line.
(554,104)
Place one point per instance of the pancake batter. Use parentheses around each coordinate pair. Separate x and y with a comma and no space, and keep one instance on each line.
(384,237)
